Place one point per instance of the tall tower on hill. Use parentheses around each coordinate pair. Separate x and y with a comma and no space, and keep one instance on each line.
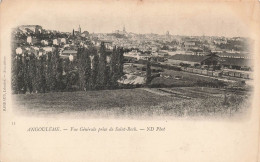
(79,29)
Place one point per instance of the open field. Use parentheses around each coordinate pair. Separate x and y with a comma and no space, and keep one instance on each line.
(185,79)
(145,102)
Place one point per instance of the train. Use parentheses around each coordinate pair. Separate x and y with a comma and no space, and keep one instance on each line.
(238,73)
(225,72)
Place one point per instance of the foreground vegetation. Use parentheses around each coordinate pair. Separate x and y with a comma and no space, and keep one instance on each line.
(134,103)
(89,70)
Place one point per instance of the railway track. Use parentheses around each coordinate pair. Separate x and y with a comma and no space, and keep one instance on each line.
(186,93)
(166,92)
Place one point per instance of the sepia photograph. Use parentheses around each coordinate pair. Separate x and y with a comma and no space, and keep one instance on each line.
(130,81)
(134,65)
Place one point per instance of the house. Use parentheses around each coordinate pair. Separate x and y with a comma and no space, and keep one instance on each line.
(135,55)
(220,41)
(194,59)
(44,42)
(143,57)
(31,28)
(19,50)
(71,54)
(234,55)
(32,40)
(163,53)
(237,63)
(155,49)
(63,40)
(108,44)
(189,44)
(96,42)
(85,34)
(212,59)
(56,41)
(48,49)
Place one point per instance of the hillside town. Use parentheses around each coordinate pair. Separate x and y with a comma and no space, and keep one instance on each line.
(217,58)
(194,75)
(221,58)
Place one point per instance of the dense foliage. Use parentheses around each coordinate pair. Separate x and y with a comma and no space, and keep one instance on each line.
(92,70)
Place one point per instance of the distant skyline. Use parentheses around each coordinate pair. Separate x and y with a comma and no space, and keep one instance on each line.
(194,19)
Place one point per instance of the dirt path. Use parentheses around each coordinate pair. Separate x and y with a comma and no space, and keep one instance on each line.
(156,91)
(166,92)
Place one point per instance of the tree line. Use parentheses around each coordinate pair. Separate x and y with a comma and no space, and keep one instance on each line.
(92,69)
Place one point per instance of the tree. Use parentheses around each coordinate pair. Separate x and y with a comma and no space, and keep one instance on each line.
(72,76)
(20,74)
(121,62)
(102,77)
(72,79)
(60,84)
(54,72)
(94,71)
(38,75)
(42,74)
(32,73)
(114,68)
(14,71)
(148,72)
(117,65)
(49,76)
(88,73)
(27,82)
(81,59)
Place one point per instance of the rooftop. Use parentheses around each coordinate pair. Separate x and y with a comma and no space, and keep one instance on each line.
(191,58)
(237,61)
(70,52)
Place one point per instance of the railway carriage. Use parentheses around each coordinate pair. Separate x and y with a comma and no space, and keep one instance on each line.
(237,73)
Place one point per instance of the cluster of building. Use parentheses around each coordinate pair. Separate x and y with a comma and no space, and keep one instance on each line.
(33,39)
(200,52)
(233,53)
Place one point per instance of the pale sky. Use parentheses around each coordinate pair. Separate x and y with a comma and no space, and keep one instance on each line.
(213,19)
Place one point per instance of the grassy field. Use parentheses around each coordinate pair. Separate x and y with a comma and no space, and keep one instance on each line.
(186,79)
(181,101)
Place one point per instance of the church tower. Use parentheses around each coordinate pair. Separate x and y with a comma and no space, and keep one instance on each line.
(79,29)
